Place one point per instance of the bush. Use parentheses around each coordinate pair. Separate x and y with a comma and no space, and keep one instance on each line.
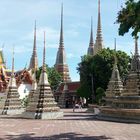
(25,101)
(99,94)
(0,98)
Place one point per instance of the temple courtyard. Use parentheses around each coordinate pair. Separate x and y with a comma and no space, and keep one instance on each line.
(78,125)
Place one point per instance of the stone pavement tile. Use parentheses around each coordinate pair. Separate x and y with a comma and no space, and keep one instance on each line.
(74,126)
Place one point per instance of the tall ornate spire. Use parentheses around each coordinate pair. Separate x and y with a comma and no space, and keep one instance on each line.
(99,40)
(61,65)
(91,35)
(44,55)
(136,47)
(61,42)
(135,64)
(61,56)
(44,77)
(12,81)
(13,64)
(33,61)
(115,57)
(91,43)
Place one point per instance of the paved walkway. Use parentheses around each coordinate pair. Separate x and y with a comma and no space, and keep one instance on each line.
(74,126)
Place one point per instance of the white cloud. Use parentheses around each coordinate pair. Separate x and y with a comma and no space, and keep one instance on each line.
(123,46)
(70,55)
(51,34)
(17,49)
(16,25)
(71,32)
(79,25)
(52,45)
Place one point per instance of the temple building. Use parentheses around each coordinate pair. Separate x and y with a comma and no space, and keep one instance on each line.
(24,77)
(66,93)
(4,73)
(94,48)
(60,64)
(24,82)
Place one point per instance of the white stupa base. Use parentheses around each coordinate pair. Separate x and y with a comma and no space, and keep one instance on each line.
(44,115)
(11,112)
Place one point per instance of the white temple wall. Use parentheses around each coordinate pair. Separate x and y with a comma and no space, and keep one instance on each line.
(24,90)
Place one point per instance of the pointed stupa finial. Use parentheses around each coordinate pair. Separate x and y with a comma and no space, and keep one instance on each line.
(135,63)
(12,81)
(44,54)
(13,63)
(44,77)
(115,57)
(99,19)
(115,44)
(91,42)
(61,42)
(98,6)
(34,62)
(136,46)
(91,35)
(34,46)
(99,40)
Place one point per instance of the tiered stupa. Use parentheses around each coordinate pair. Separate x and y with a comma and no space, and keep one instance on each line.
(43,105)
(12,104)
(115,85)
(126,106)
(63,97)
(60,64)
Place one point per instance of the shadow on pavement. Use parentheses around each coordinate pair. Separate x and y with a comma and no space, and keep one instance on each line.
(78,117)
(63,136)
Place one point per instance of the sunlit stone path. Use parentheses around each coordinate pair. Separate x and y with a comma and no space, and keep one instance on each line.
(73,126)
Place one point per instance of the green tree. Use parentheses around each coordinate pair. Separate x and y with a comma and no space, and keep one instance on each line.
(100,93)
(98,69)
(84,90)
(53,76)
(129,18)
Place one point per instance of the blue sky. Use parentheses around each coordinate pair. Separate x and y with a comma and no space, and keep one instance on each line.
(17,23)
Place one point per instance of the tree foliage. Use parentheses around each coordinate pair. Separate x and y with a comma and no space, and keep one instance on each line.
(25,101)
(129,18)
(100,68)
(100,93)
(84,90)
(53,76)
